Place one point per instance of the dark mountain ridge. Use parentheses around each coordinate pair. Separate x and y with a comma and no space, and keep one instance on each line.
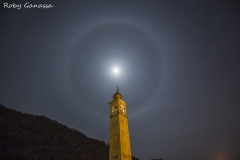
(27,136)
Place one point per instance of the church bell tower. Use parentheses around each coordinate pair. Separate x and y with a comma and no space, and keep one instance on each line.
(119,148)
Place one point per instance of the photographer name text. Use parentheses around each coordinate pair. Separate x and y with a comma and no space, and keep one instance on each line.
(26,5)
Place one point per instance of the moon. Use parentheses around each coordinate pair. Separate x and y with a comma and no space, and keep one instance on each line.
(116,70)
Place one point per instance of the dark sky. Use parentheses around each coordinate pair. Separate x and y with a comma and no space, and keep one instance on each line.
(179,73)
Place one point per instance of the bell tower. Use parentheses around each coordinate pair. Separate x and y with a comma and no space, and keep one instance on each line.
(119,148)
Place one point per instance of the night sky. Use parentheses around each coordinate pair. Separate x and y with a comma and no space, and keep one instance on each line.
(179,71)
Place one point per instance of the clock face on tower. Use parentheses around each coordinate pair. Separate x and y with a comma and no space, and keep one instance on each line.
(114,109)
(122,109)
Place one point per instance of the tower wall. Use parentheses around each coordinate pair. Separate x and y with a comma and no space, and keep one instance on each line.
(119,148)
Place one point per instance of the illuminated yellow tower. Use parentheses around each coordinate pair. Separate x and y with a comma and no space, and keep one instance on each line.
(119,148)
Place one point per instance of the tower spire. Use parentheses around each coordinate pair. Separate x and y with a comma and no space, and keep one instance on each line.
(117,89)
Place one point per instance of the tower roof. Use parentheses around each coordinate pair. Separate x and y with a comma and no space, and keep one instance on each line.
(117,94)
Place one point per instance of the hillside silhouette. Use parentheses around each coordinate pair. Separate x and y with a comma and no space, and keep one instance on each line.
(26,136)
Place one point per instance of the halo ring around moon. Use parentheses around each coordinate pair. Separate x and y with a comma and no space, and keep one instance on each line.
(115,42)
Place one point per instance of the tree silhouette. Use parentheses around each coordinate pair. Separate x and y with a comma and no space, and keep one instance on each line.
(26,136)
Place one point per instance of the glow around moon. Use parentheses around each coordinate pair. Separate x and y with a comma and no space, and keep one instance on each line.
(122,53)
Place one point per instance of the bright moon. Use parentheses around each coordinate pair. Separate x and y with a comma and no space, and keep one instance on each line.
(116,70)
